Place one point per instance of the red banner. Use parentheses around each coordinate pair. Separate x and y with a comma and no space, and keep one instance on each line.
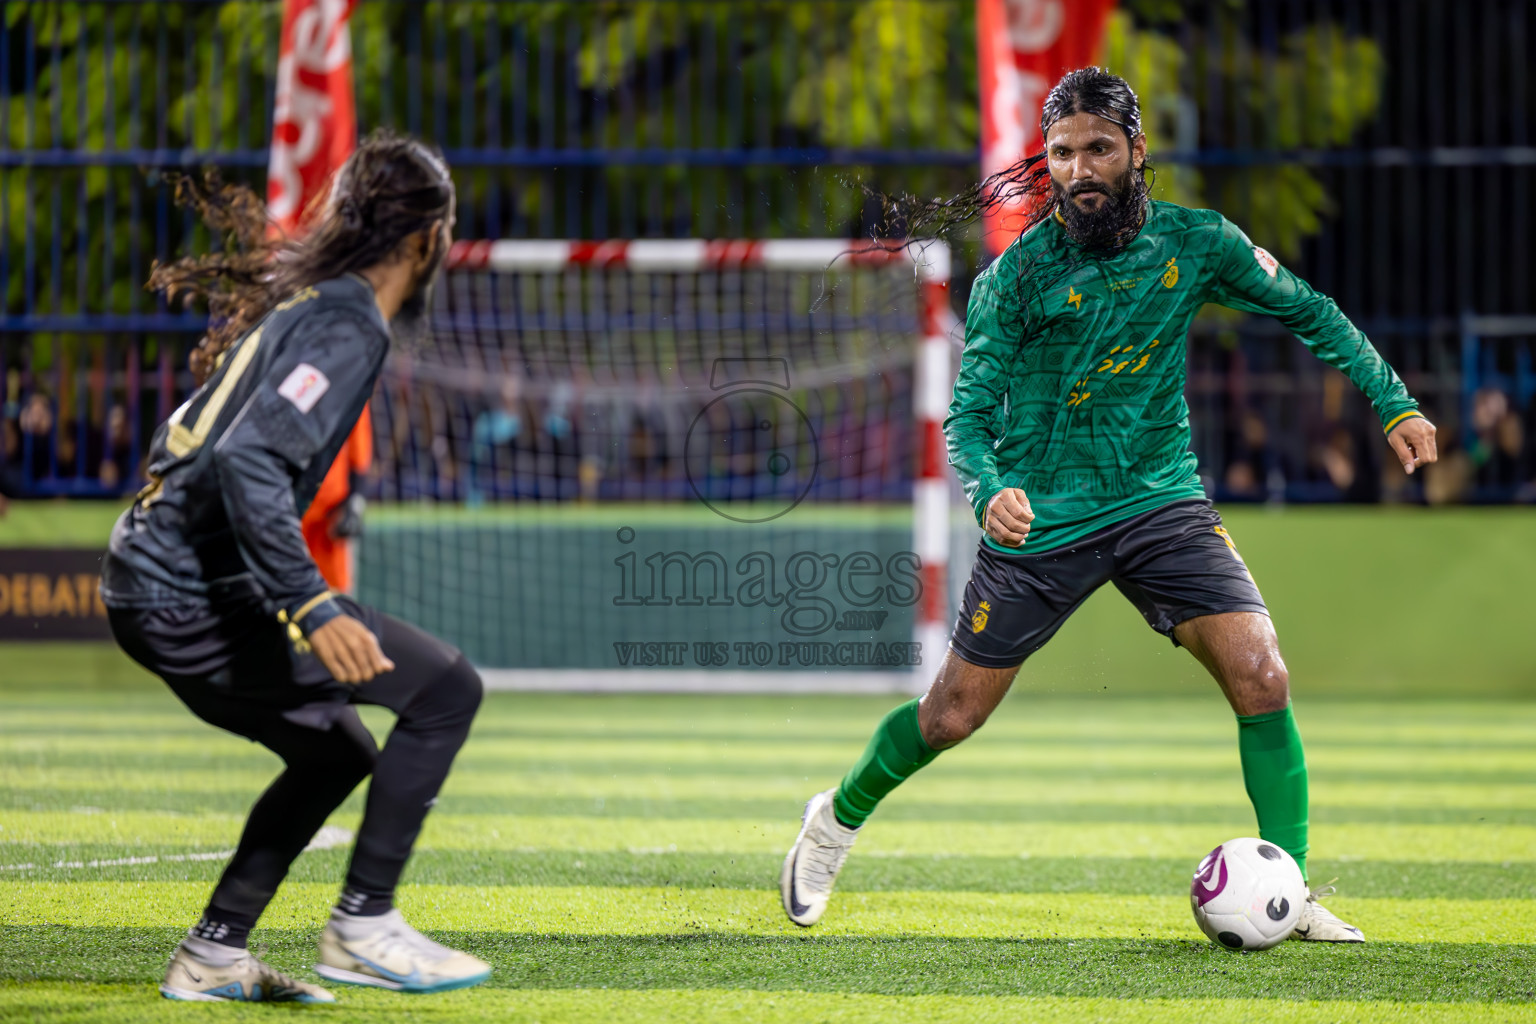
(1024,47)
(315,125)
(314,131)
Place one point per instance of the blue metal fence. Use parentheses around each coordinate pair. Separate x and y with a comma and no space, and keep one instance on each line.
(1386,144)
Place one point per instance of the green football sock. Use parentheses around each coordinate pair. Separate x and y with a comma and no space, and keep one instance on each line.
(1275,773)
(895,752)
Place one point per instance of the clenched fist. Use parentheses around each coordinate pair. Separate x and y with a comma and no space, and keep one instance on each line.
(349,651)
(1008,517)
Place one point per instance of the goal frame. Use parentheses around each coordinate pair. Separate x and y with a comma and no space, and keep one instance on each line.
(933,381)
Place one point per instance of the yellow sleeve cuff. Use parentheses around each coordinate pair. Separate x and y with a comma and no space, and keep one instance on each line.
(311,604)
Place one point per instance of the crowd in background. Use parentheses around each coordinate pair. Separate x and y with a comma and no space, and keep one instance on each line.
(95,456)
(552,447)
(1349,461)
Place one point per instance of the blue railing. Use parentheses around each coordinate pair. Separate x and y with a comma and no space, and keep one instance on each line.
(1384,148)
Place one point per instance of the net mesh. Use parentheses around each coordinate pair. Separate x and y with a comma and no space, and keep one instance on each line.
(607,384)
(588,458)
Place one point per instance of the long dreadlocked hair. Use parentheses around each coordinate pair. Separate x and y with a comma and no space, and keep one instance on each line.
(391,187)
(1091,90)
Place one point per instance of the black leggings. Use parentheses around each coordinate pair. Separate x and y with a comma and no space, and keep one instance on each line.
(285,702)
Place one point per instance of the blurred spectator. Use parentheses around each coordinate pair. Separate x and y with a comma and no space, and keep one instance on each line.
(494,442)
(1342,462)
(36,422)
(643,447)
(1441,483)
(589,477)
(1254,467)
(10,462)
(1497,443)
(114,468)
(432,410)
(560,427)
(1336,456)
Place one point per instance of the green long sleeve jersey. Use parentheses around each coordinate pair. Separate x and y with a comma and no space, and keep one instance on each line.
(1071,385)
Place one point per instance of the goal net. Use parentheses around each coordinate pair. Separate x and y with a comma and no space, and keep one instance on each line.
(675,464)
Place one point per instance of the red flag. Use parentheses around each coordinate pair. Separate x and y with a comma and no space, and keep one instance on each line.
(314,131)
(315,125)
(1024,47)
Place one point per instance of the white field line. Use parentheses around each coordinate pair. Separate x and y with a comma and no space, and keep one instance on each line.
(328,838)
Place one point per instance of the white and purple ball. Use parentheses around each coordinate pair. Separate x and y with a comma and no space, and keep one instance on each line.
(1247,894)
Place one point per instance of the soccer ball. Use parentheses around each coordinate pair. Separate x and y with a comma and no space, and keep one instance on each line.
(1247,894)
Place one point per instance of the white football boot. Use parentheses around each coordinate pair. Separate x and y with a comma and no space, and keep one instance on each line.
(811,867)
(386,952)
(242,978)
(1319,924)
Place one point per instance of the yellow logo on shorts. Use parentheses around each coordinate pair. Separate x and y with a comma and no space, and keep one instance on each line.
(295,634)
(1221,531)
(1171,275)
(979,618)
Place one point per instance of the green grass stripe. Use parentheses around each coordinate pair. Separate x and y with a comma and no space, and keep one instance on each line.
(746,719)
(1150,876)
(633,910)
(1234,813)
(218,751)
(32,732)
(1025,716)
(59,524)
(811,775)
(994,786)
(921,795)
(1127,971)
(994,757)
(1487,842)
(130,1004)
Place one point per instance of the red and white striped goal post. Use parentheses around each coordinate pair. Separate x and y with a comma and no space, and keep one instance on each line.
(934,376)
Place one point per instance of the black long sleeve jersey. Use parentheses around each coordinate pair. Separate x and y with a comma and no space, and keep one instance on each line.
(235,467)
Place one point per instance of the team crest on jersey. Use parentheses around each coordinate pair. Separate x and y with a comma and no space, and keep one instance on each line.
(979,617)
(1074,298)
(1171,275)
(1269,263)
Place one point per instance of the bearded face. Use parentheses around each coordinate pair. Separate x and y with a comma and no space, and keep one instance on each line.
(1106,222)
(1100,194)
(411,326)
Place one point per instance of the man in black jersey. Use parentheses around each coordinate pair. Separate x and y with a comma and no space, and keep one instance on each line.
(208,583)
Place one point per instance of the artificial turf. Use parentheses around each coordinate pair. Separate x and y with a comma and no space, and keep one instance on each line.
(616,858)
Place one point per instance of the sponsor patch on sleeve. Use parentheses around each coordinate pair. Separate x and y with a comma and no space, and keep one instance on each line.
(1269,263)
(304,386)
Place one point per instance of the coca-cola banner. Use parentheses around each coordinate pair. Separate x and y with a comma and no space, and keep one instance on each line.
(315,125)
(1024,47)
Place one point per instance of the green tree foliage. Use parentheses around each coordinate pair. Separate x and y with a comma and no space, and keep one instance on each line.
(630,77)
(1206,85)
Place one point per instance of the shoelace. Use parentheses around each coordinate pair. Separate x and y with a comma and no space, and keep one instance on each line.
(823,860)
(270,975)
(1323,891)
(403,936)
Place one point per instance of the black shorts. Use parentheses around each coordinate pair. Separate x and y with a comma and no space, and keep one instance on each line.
(1174,563)
(237,667)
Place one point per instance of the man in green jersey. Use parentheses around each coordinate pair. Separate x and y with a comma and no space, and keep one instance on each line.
(1070,433)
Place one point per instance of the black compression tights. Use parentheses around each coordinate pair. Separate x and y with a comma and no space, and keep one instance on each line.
(435,701)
